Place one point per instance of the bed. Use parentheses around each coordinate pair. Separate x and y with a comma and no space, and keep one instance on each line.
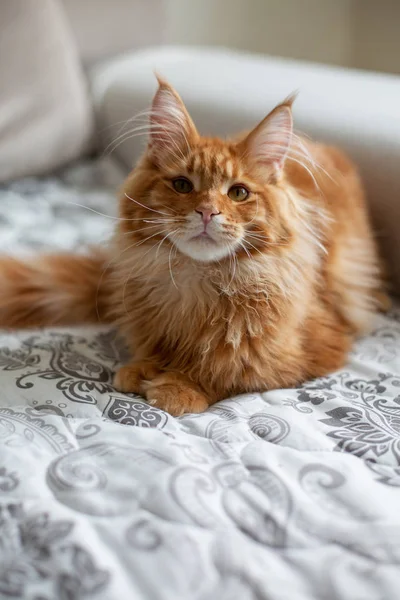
(289,494)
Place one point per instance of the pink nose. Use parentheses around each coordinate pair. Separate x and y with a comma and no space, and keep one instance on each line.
(207,213)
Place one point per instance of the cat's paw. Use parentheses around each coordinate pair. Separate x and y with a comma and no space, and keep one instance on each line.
(175,396)
(130,378)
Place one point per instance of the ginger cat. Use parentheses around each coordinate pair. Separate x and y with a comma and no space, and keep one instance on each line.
(237,265)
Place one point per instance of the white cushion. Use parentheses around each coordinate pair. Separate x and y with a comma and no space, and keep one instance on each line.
(228,91)
(45,112)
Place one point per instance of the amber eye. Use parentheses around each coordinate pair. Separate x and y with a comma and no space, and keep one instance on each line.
(182,185)
(238,193)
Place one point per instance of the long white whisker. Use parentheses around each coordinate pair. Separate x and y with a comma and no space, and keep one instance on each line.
(255,216)
(256,235)
(131,270)
(150,236)
(98,212)
(146,207)
(141,115)
(123,137)
(170,267)
(233,256)
(162,241)
(311,174)
(245,249)
(127,135)
(143,129)
(170,208)
(304,152)
(161,220)
(250,244)
(143,229)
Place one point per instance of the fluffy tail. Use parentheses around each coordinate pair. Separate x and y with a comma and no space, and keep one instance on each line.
(60,289)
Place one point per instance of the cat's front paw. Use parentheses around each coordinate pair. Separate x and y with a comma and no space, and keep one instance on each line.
(169,391)
(130,378)
(175,395)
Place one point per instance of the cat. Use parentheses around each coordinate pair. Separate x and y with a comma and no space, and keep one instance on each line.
(237,265)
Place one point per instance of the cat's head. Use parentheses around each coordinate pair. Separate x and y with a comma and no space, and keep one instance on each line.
(208,197)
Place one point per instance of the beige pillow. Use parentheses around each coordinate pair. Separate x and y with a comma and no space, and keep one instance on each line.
(45,113)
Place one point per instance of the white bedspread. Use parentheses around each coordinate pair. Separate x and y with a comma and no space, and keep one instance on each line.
(290,494)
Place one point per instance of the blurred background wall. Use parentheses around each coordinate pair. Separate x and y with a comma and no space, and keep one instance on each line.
(355,33)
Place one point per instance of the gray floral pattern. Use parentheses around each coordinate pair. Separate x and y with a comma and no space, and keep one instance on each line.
(134,412)
(37,551)
(78,377)
(273,496)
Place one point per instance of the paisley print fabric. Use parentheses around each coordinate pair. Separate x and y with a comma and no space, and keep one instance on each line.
(289,494)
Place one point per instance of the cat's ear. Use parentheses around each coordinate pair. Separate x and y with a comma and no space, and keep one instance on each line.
(269,142)
(172,130)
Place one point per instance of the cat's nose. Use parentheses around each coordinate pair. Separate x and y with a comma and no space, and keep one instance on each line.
(207,213)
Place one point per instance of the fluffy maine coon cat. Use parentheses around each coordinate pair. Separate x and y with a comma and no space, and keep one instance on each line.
(236,265)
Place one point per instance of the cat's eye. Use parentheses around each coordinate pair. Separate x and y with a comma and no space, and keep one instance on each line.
(182,185)
(238,193)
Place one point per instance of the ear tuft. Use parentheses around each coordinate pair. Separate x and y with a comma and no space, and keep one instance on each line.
(270,141)
(171,128)
(290,99)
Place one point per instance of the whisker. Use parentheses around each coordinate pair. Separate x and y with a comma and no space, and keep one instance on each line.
(169,208)
(170,267)
(245,249)
(126,136)
(98,212)
(304,152)
(142,114)
(171,220)
(151,236)
(233,262)
(155,224)
(256,235)
(250,244)
(255,216)
(147,207)
(267,243)
(311,174)
(144,229)
(164,238)
(131,270)
(263,240)
(139,130)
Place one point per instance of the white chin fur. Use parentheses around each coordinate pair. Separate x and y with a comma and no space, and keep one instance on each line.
(203,250)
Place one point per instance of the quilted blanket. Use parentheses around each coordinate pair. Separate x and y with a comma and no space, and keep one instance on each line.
(289,494)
